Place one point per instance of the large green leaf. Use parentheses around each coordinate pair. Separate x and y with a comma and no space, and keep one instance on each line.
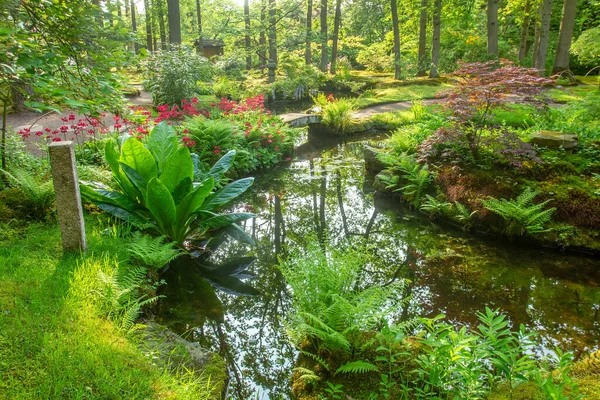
(227,193)
(112,158)
(138,157)
(236,232)
(162,143)
(222,220)
(222,165)
(134,177)
(124,214)
(183,189)
(189,205)
(160,203)
(176,168)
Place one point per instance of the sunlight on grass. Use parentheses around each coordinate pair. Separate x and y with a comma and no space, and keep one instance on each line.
(55,342)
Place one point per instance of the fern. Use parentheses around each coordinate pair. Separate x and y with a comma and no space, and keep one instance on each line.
(307,375)
(417,177)
(435,207)
(121,301)
(209,135)
(357,367)
(318,359)
(153,252)
(41,194)
(338,114)
(521,214)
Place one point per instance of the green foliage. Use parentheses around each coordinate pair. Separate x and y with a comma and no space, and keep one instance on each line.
(521,214)
(330,310)
(153,252)
(376,57)
(463,215)
(553,384)
(176,74)
(39,193)
(156,189)
(299,79)
(211,135)
(435,207)
(337,115)
(120,296)
(417,179)
(586,47)
(334,391)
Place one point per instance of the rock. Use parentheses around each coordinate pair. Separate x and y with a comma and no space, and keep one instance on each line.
(372,163)
(178,354)
(554,140)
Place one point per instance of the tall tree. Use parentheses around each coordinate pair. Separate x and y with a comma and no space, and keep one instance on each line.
(492,27)
(262,40)
(396,28)
(524,43)
(273,30)
(435,41)
(422,57)
(148,25)
(337,21)
(161,23)
(307,49)
(567,24)
(174,18)
(247,34)
(541,42)
(199,17)
(133,24)
(324,49)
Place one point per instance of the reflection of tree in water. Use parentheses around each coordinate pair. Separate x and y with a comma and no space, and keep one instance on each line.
(322,199)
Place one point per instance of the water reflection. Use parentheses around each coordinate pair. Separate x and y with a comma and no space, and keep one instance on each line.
(325,196)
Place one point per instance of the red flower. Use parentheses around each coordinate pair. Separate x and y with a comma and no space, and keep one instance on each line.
(71,117)
(216,151)
(56,139)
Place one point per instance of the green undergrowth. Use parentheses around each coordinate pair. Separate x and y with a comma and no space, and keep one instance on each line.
(397,94)
(56,340)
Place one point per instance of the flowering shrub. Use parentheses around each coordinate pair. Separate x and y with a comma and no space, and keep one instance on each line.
(260,138)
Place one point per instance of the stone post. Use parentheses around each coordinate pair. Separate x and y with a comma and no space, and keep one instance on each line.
(68,198)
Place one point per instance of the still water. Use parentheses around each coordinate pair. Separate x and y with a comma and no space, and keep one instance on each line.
(325,194)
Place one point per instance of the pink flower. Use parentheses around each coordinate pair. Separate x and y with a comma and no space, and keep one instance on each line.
(56,139)
(71,117)
(216,151)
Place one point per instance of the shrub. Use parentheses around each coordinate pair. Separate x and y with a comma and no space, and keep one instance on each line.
(337,115)
(176,74)
(376,58)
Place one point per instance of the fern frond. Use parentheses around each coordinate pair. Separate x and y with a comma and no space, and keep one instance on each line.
(153,252)
(307,375)
(318,359)
(357,367)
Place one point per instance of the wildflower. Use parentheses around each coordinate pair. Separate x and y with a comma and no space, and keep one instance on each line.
(71,117)
(39,133)
(56,139)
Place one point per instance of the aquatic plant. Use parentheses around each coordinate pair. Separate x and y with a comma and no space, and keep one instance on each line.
(521,214)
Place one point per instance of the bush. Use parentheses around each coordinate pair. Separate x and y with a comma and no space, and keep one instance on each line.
(337,114)
(176,74)
(300,79)
(376,58)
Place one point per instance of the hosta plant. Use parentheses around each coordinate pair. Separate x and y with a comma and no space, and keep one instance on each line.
(155,189)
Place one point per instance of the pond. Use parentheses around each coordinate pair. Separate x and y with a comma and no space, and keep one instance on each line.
(325,194)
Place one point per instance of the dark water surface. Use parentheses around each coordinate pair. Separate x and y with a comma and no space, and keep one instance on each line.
(325,194)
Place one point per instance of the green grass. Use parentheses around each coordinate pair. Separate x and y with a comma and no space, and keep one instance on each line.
(55,341)
(514,115)
(402,93)
(572,93)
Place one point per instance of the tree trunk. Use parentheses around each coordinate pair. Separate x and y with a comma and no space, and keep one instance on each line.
(422,58)
(148,25)
(492,27)
(273,31)
(199,16)
(247,34)
(539,60)
(396,28)
(567,24)
(435,41)
(133,24)
(307,50)
(337,21)
(523,46)
(262,40)
(119,11)
(161,24)
(174,19)
(324,49)
(126,9)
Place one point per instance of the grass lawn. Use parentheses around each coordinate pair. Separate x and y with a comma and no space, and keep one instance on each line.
(55,339)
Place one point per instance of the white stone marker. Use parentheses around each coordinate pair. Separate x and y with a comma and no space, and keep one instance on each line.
(68,198)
